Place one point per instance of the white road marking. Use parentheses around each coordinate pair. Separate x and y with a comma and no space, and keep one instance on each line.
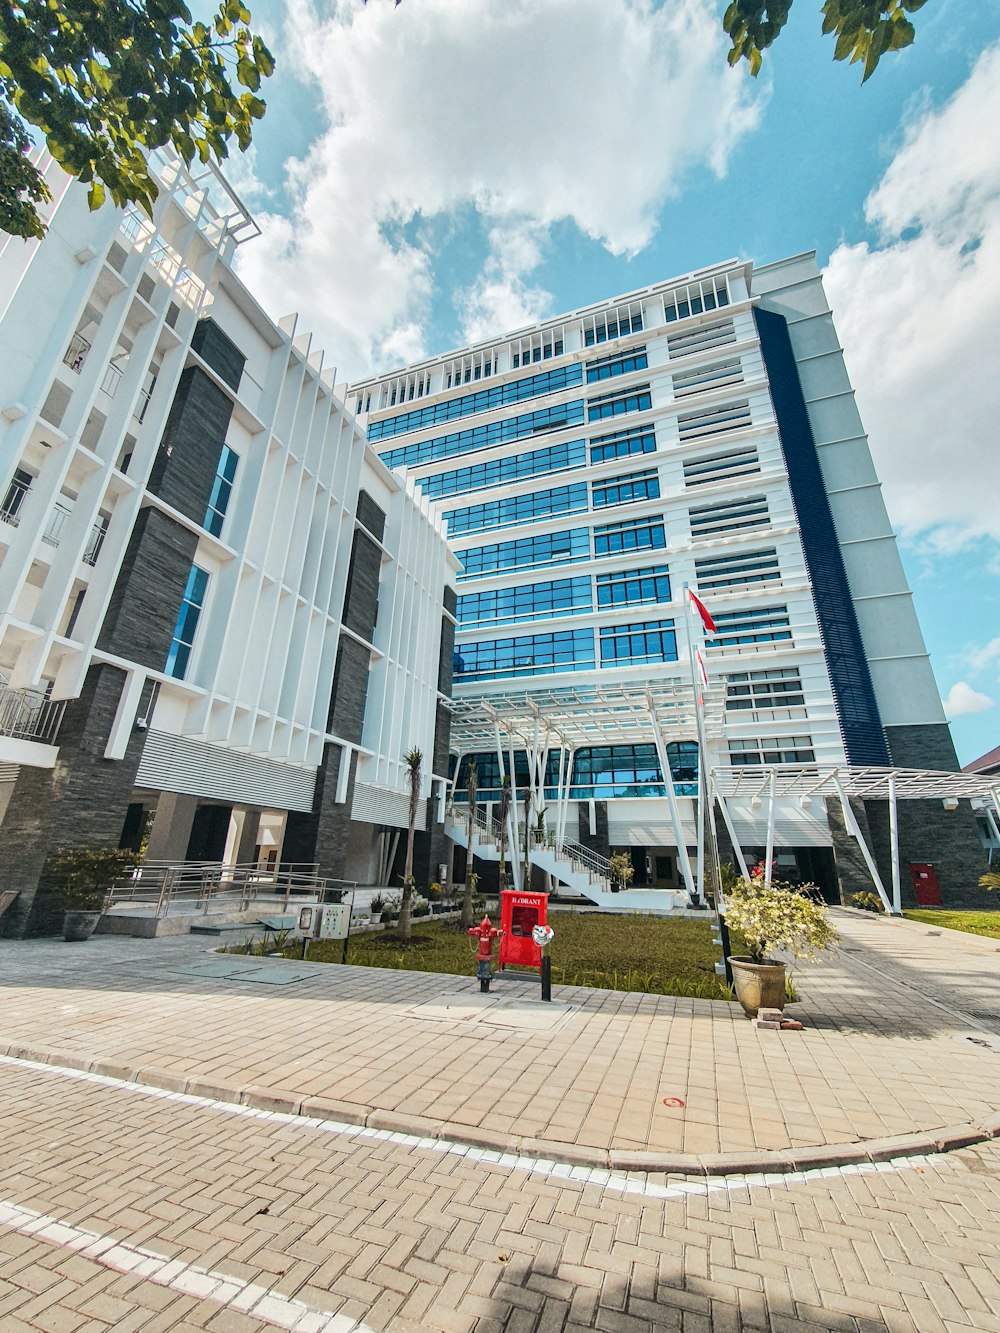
(205,1284)
(627,1182)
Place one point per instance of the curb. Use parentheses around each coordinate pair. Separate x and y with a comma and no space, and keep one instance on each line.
(768,1162)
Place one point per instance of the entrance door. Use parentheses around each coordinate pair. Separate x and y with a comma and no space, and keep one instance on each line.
(925,884)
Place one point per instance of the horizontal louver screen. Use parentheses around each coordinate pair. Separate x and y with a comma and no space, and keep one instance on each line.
(703,378)
(375,805)
(177,763)
(737,571)
(702,339)
(713,421)
(729,516)
(721,467)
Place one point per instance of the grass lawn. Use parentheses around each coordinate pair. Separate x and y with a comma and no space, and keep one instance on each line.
(651,954)
(973,923)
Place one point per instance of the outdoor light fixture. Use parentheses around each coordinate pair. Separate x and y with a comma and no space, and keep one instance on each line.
(805,802)
(755,802)
(950,802)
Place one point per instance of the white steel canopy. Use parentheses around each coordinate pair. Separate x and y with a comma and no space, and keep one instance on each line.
(579,715)
(869,783)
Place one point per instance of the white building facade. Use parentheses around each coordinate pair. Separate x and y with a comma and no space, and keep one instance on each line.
(700,433)
(222,618)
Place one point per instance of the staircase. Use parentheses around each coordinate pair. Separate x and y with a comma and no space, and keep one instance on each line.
(579,869)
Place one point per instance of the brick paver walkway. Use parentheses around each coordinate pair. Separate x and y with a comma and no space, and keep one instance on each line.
(886,1050)
(121,1210)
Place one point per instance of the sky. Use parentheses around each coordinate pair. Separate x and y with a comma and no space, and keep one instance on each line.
(439,171)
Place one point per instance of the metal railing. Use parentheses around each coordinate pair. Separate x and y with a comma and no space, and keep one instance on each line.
(76,353)
(94,543)
(53,529)
(29,715)
(200,886)
(10,510)
(582,859)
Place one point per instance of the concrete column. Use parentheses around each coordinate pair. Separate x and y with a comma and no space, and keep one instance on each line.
(168,838)
(248,836)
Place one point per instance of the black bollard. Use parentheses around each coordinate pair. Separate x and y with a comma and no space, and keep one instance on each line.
(546,977)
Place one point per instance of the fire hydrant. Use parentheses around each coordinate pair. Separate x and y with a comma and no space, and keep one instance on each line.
(486,933)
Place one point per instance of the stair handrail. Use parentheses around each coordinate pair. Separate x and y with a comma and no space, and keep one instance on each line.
(585,857)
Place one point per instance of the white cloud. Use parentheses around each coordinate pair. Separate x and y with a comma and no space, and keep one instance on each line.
(529,111)
(981,658)
(919,317)
(963,699)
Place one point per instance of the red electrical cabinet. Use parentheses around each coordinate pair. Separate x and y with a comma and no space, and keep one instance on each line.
(925,884)
(519,914)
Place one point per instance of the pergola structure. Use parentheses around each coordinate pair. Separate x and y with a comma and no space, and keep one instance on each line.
(868,783)
(568,718)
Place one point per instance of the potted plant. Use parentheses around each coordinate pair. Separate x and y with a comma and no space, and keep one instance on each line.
(390,912)
(84,878)
(375,909)
(772,917)
(621,870)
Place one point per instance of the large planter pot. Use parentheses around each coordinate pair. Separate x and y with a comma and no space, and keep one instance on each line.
(79,925)
(758,985)
(376,918)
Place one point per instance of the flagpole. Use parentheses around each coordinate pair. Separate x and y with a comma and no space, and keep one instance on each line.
(699,681)
(700,731)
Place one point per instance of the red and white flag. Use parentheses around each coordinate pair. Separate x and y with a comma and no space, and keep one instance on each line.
(701,668)
(703,611)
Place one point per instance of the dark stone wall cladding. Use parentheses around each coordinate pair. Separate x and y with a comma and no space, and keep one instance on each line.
(947,839)
(321,834)
(183,472)
(600,841)
(142,611)
(446,662)
(361,600)
(371,515)
(851,870)
(350,690)
(82,802)
(853,692)
(219,351)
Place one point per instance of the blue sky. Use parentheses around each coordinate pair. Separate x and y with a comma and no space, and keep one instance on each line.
(451,169)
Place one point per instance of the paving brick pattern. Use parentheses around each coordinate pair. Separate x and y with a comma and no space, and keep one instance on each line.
(407,1239)
(876,1059)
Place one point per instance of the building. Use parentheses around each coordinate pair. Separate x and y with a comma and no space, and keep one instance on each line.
(700,433)
(210,586)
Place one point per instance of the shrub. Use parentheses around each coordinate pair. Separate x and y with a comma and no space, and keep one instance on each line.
(989,881)
(867,902)
(778,917)
(85,875)
(377,904)
(422,909)
(621,869)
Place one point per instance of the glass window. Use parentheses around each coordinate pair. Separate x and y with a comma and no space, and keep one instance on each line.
(222,489)
(527,655)
(775,690)
(624,645)
(187,623)
(635,534)
(617,404)
(514,391)
(605,771)
(547,548)
(771,750)
(617,326)
(621,443)
(483,437)
(526,601)
(619,363)
(729,516)
(633,587)
(517,509)
(498,471)
(626,490)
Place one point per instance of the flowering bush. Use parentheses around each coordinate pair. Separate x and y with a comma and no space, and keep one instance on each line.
(778,917)
(868,902)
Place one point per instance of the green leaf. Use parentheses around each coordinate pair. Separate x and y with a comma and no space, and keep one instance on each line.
(96,196)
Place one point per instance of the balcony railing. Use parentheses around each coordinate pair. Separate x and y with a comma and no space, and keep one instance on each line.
(53,529)
(76,353)
(10,510)
(30,715)
(112,378)
(94,543)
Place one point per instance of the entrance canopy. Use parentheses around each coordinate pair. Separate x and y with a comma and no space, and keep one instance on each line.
(868,783)
(581,715)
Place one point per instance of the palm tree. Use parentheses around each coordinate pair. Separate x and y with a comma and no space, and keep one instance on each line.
(413,759)
(472,788)
(502,814)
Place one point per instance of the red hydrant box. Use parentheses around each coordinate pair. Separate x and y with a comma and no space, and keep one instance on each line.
(519,914)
